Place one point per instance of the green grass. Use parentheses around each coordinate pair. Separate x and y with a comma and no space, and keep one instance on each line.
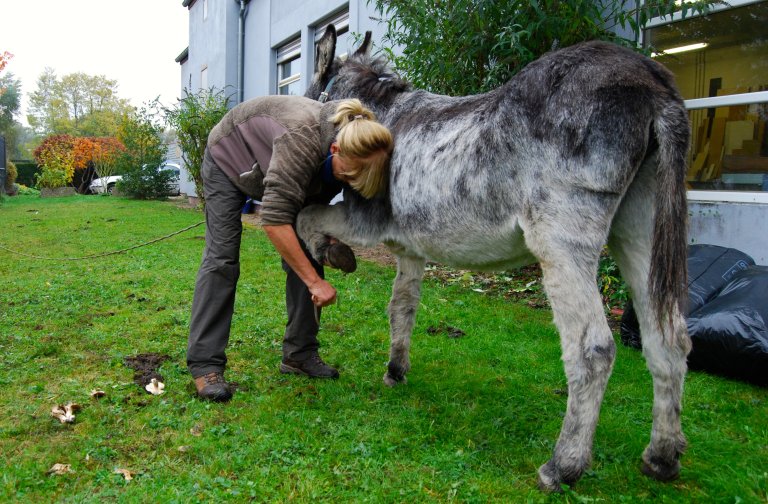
(478,416)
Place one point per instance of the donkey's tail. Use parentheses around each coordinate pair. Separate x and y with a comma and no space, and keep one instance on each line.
(668,275)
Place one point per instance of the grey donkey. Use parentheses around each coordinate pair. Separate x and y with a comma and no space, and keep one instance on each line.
(584,147)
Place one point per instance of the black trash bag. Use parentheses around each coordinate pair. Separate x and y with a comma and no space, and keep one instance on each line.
(710,268)
(730,332)
(629,327)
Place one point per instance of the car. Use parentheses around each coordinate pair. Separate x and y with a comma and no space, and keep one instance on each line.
(104,184)
(107,184)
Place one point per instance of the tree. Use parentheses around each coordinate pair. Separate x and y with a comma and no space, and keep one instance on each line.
(193,118)
(95,157)
(461,47)
(77,104)
(10,101)
(5,57)
(141,134)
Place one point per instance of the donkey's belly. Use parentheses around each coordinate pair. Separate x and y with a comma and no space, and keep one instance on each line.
(477,248)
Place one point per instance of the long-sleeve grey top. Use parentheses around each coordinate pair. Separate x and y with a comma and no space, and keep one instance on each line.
(273,149)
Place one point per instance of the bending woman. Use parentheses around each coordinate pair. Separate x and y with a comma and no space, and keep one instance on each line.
(288,152)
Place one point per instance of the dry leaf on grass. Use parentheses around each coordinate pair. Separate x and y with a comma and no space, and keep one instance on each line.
(66,413)
(128,475)
(97,394)
(59,469)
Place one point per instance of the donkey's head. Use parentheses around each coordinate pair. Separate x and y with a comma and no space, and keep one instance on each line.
(359,76)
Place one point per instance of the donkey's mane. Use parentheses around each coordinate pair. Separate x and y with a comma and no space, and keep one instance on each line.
(373,80)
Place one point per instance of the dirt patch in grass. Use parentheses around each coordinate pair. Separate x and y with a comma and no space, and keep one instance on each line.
(145,367)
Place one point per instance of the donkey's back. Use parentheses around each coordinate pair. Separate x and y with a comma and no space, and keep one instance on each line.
(568,133)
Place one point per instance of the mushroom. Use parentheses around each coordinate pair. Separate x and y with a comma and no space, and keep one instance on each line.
(66,413)
(97,394)
(155,387)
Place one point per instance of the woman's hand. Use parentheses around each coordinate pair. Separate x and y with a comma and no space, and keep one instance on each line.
(284,238)
(323,293)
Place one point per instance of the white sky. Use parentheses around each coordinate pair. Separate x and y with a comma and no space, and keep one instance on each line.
(134,42)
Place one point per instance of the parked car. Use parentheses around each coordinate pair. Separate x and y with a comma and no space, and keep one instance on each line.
(107,184)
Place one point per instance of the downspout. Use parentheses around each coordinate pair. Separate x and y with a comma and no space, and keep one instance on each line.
(241,49)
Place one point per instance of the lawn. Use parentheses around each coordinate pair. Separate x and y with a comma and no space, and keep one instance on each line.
(478,416)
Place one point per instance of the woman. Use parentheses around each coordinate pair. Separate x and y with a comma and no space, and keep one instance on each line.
(288,152)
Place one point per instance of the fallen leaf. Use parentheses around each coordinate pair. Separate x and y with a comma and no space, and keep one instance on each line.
(66,413)
(97,394)
(128,475)
(155,387)
(59,469)
(196,430)
(183,449)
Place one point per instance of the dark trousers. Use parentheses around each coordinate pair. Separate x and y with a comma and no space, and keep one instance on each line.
(214,299)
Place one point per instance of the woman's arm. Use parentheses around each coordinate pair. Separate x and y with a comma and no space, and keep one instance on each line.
(283,237)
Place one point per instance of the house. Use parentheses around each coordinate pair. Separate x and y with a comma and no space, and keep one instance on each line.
(260,47)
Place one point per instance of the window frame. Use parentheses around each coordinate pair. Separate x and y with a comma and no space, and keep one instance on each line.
(287,53)
(750,98)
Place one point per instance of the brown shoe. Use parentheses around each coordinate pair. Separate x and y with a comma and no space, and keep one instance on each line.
(340,256)
(213,387)
(314,367)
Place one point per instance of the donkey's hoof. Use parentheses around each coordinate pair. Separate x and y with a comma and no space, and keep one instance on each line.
(549,481)
(340,256)
(655,468)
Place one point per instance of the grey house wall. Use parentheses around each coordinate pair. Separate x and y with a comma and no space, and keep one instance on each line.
(213,43)
(743,226)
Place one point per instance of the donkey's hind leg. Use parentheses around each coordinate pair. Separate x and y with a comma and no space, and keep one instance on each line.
(406,293)
(665,350)
(569,265)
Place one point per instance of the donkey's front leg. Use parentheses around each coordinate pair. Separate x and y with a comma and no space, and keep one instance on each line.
(406,293)
(316,223)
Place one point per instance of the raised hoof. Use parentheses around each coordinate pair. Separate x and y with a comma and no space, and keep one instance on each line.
(660,470)
(340,256)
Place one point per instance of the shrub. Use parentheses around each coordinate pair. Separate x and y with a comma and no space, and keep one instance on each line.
(193,118)
(146,182)
(10,176)
(56,158)
(141,134)
(468,46)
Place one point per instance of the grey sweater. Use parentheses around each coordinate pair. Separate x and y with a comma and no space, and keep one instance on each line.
(273,149)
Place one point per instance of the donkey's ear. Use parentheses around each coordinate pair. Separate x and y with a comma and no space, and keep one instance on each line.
(365,47)
(325,51)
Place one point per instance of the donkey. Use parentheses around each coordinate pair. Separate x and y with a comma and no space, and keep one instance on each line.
(584,147)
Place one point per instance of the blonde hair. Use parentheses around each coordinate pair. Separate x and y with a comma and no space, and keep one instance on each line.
(365,145)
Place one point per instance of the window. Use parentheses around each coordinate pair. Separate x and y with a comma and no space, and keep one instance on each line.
(341,22)
(720,62)
(289,68)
